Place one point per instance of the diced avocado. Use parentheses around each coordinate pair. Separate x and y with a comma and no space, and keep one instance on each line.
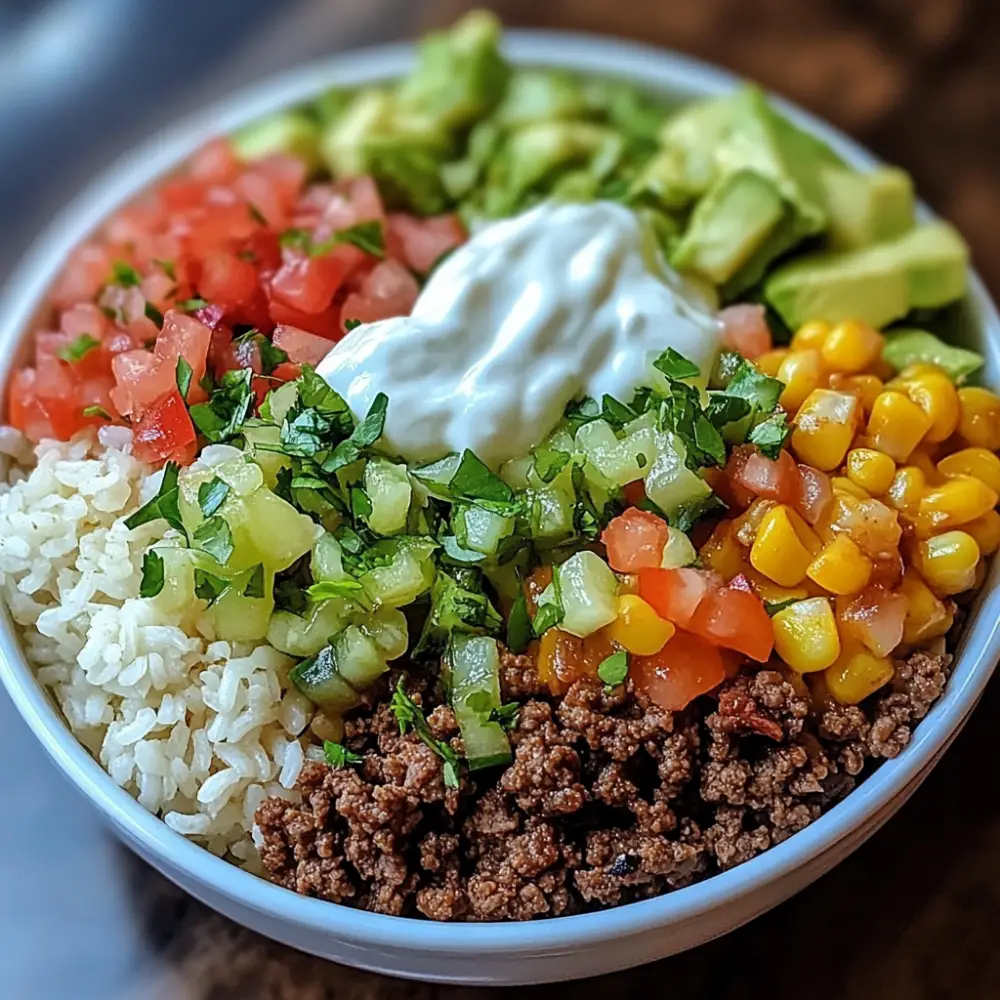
(538,95)
(908,346)
(691,139)
(401,150)
(728,225)
(924,268)
(867,208)
(621,104)
(286,132)
(460,75)
(669,181)
(331,105)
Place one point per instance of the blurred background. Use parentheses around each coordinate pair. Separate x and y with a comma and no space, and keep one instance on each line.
(913,914)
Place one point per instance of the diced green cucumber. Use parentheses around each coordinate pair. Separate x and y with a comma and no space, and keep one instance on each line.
(358,659)
(479,529)
(242,477)
(237,618)
(388,489)
(278,402)
(306,636)
(678,551)
(475,691)
(177,595)
(437,476)
(258,439)
(407,573)
(588,590)
(620,461)
(388,628)
(327,561)
(279,532)
(318,680)
(670,484)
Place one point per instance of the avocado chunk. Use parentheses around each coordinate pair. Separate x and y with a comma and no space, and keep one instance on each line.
(536,95)
(460,75)
(910,346)
(402,151)
(867,208)
(728,225)
(924,268)
(287,132)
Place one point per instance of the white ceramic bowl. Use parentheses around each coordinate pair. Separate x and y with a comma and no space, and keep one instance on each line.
(563,948)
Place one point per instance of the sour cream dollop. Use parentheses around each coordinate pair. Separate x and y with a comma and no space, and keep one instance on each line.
(529,314)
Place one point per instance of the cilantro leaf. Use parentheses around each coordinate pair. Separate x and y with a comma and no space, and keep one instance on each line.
(547,616)
(350,324)
(255,583)
(154,314)
(410,717)
(78,348)
(211,495)
(760,390)
(183,375)
(363,436)
(167,267)
(327,590)
(773,607)
(549,462)
(338,755)
(191,305)
(506,715)
(97,411)
(215,537)
(164,504)
(152,574)
(614,669)
(458,604)
(222,417)
(675,365)
(709,441)
(519,632)
(366,236)
(270,356)
(616,412)
(207,586)
(361,505)
(125,275)
(724,409)
(473,480)
(579,412)
(256,214)
(771,434)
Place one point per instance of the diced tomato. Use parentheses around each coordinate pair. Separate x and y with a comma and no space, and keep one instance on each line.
(816,494)
(86,271)
(389,290)
(228,282)
(634,492)
(735,617)
(184,335)
(688,666)
(635,540)
(323,324)
(301,346)
(215,163)
(219,227)
(728,482)
(676,593)
(24,411)
(165,432)
(744,329)
(563,658)
(772,480)
(56,395)
(874,617)
(287,372)
(422,242)
(309,283)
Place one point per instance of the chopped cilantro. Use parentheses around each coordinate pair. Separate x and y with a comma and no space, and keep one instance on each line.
(327,590)
(211,494)
(255,583)
(78,348)
(473,480)
(458,604)
(579,412)
(675,365)
(167,267)
(614,669)
(214,536)
(616,412)
(409,716)
(270,356)
(366,236)
(222,417)
(363,436)
(724,409)
(773,607)
(207,586)
(361,505)
(350,324)
(549,462)
(758,389)
(506,715)
(771,434)
(519,632)
(125,275)
(152,574)
(164,504)
(154,314)
(547,616)
(97,411)
(183,375)
(191,305)
(256,214)
(338,755)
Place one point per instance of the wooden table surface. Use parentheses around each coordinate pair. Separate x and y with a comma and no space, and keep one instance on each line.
(912,915)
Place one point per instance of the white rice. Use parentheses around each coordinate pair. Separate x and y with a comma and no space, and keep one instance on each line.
(200,731)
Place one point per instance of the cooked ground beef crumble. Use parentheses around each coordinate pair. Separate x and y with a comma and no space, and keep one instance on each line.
(608,799)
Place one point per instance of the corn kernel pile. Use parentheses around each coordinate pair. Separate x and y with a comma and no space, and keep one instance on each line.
(908,462)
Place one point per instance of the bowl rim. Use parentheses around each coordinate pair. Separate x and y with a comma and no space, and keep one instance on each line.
(657,70)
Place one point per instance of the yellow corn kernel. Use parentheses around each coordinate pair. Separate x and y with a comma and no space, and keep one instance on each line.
(841,567)
(926,616)
(979,417)
(896,425)
(948,562)
(845,487)
(723,552)
(812,542)
(986,531)
(851,347)
(935,394)
(801,371)
(770,592)
(866,387)
(638,628)
(777,551)
(906,489)
(976,462)
(857,674)
(824,428)
(926,465)
(805,635)
(955,502)
(770,361)
(870,469)
(810,336)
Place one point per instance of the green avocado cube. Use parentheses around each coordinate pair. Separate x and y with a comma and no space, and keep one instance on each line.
(287,132)
(910,346)
(868,208)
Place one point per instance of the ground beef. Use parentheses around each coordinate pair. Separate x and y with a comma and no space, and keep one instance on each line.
(608,798)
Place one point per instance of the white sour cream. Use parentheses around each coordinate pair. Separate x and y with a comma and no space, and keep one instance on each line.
(530,313)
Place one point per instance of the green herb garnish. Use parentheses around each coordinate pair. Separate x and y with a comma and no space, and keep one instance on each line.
(363,436)
(211,495)
(191,305)
(152,574)
(154,314)
(350,324)
(255,583)
(614,668)
(215,537)
(506,715)
(222,417)
(473,480)
(327,590)
(167,267)
(125,275)
(338,755)
(771,434)
(97,411)
(549,462)
(78,348)
(409,716)
(519,631)
(164,504)
(676,366)
(183,374)
(208,587)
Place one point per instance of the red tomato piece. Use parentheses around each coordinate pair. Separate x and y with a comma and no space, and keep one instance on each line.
(676,593)
(635,540)
(184,335)
(309,283)
(744,329)
(84,275)
(773,480)
(422,242)
(227,281)
(635,492)
(735,618)
(287,372)
(688,666)
(215,163)
(56,394)
(389,290)
(165,432)
(323,324)
(24,411)
(301,346)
